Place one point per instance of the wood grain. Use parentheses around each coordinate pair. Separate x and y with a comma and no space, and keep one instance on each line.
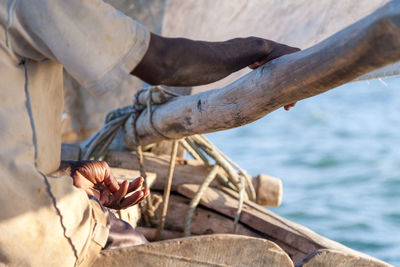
(212,250)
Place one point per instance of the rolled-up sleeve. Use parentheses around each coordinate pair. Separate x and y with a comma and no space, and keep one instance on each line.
(97,44)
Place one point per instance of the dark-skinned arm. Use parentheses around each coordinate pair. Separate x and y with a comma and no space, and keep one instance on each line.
(184,62)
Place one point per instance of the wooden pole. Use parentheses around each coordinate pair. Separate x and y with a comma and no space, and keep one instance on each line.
(370,43)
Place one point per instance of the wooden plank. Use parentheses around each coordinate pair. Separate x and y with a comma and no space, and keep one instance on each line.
(368,44)
(289,234)
(332,258)
(188,171)
(212,250)
(204,221)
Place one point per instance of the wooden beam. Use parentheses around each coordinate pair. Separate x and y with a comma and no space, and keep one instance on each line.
(370,43)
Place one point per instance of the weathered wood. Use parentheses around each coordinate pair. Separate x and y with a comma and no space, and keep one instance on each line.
(204,221)
(370,43)
(295,239)
(213,250)
(268,190)
(188,171)
(332,258)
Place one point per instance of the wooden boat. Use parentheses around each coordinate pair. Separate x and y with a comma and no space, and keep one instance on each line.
(263,238)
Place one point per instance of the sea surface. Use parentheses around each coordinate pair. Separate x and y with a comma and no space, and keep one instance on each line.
(338,155)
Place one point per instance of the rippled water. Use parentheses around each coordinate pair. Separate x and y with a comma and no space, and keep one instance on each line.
(338,155)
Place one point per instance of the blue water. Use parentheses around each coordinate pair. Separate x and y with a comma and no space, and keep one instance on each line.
(338,155)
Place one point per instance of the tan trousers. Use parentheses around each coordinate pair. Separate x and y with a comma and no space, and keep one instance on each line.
(98,238)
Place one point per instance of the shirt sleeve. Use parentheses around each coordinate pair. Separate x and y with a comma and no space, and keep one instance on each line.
(97,44)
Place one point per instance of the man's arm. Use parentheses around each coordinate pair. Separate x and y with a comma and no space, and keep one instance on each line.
(184,62)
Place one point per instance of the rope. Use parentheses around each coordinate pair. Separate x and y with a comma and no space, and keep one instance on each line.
(189,149)
(196,199)
(95,146)
(210,150)
(198,146)
(150,112)
(167,190)
(234,180)
(149,211)
(240,205)
(193,145)
(250,188)
(195,152)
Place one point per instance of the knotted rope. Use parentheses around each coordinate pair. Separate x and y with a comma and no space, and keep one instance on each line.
(96,146)
(235,179)
(232,176)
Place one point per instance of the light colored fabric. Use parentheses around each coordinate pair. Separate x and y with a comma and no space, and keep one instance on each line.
(300,23)
(45,221)
(86,115)
(96,44)
(88,111)
(98,238)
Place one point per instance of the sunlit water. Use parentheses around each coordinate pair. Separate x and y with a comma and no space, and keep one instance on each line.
(338,155)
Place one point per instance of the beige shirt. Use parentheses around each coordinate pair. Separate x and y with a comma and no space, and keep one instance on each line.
(45,221)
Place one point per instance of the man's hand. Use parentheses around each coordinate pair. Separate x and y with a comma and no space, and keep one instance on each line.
(277,50)
(96,179)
